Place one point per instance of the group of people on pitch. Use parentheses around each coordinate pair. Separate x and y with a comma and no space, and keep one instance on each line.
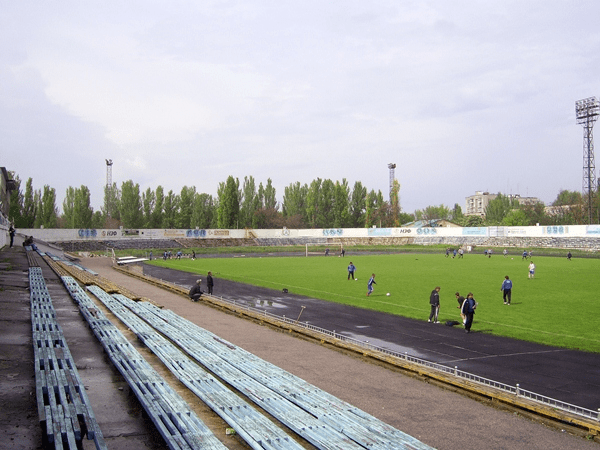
(466,305)
(352,269)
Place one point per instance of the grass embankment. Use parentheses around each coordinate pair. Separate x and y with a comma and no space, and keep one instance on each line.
(558,307)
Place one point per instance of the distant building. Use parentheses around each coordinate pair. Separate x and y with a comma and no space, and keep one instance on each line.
(7,185)
(560,210)
(476,204)
(525,200)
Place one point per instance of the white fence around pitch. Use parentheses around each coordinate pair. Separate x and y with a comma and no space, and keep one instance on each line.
(310,235)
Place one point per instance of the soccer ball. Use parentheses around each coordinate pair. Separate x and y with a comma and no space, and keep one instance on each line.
(388,294)
(512,258)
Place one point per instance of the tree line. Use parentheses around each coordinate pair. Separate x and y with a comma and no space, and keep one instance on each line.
(323,203)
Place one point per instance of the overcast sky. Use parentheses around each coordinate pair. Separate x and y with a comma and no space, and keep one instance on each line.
(463,96)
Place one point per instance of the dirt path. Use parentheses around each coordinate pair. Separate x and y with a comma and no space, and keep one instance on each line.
(436,416)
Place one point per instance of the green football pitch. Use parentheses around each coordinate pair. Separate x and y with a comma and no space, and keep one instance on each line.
(559,306)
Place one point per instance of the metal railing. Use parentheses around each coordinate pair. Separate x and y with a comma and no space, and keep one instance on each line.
(453,371)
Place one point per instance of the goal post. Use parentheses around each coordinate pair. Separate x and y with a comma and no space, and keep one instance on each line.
(320,249)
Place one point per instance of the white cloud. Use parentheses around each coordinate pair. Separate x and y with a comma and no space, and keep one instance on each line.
(184,94)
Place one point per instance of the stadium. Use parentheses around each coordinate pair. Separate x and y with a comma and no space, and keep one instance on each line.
(190,311)
(89,259)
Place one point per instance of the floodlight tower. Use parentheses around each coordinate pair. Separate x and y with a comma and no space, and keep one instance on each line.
(586,111)
(392,167)
(107,201)
(109,164)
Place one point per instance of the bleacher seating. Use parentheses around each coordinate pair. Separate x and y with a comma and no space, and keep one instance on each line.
(213,243)
(583,243)
(320,418)
(86,277)
(65,413)
(176,422)
(117,244)
(269,242)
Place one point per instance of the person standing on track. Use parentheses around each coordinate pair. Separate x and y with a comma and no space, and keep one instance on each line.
(434,301)
(506,290)
(351,270)
(209,282)
(468,309)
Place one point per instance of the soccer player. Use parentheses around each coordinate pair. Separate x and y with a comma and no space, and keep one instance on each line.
(531,270)
(351,270)
(370,285)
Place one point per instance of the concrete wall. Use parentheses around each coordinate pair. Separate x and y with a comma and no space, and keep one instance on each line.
(4,226)
(65,235)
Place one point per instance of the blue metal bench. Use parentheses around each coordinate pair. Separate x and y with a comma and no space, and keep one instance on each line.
(64,410)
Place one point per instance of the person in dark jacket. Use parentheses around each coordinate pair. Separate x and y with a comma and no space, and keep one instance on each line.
(351,270)
(196,291)
(209,282)
(468,309)
(506,290)
(434,301)
(12,232)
